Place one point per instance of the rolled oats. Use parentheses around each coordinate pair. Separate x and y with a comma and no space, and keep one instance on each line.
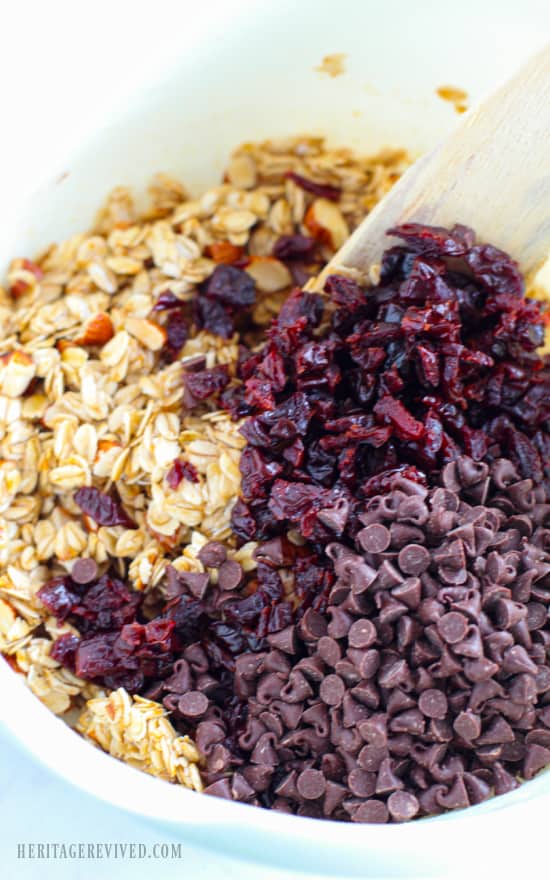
(138,731)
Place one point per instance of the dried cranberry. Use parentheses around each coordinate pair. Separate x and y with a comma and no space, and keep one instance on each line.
(205,383)
(432,362)
(167,301)
(294,247)
(231,286)
(102,508)
(435,240)
(177,332)
(181,470)
(64,648)
(59,596)
(212,316)
(322,190)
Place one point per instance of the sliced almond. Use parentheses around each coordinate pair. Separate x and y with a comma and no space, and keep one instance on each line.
(233,221)
(89,524)
(150,334)
(102,276)
(7,616)
(105,446)
(242,172)
(97,330)
(269,274)
(325,222)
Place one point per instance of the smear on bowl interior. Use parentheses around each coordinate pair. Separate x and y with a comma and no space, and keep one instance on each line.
(455,96)
(288,548)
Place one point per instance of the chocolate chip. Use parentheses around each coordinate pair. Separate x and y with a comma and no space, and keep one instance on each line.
(284,640)
(207,735)
(258,776)
(264,751)
(452,627)
(193,704)
(540,736)
(373,811)
(340,622)
(287,786)
(313,625)
(374,538)
(386,779)
(241,790)
(220,788)
(181,679)
(270,687)
(409,592)
(329,650)
(413,559)
(402,534)
(213,554)
(409,721)
(516,659)
(433,703)
(361,783)
(467,725)
(332,690)
(335,517)
(230,575)
(311,784)
(84,571)
(334,796)
(402,806)
(296,689)
(413,511)
(502,780)
(537,615)
(374,730)
(362,634)
(455,797)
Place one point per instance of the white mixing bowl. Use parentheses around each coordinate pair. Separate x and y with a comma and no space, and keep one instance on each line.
(244,72)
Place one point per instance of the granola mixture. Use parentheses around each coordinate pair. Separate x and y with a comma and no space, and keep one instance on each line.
(91,396)
(290,555)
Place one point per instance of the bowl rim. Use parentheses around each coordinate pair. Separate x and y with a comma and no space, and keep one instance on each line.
(79,762)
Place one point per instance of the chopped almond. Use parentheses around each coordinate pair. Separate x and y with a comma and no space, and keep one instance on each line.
(224,252)
(89,524)
(97,330)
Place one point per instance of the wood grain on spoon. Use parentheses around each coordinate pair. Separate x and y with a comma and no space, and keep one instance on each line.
(492,173)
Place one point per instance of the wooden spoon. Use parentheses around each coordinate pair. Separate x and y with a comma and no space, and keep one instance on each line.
(492,173)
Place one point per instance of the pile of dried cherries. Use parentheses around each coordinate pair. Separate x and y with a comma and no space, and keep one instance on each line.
(388,658)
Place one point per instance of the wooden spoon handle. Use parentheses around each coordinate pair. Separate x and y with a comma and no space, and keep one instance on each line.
(492,173)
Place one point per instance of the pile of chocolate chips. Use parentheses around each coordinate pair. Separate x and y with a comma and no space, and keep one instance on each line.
(426,685)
